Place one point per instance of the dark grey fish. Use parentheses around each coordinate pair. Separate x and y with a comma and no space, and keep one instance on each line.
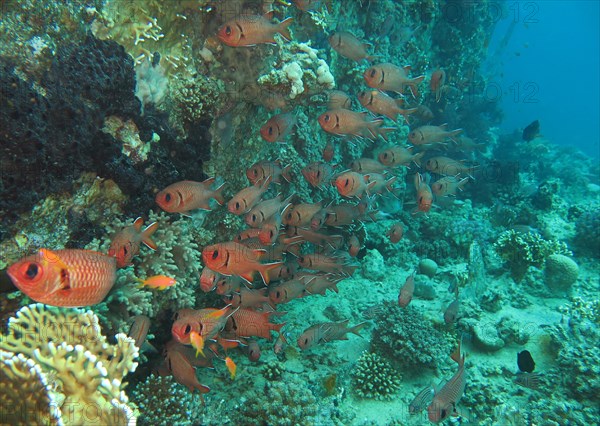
(528,380)
(421,400)
(532,131)
(451,313)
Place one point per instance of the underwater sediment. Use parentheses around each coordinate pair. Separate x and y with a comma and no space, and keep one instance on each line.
(326,210)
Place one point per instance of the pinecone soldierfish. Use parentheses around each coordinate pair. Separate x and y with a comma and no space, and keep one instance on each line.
(71,277)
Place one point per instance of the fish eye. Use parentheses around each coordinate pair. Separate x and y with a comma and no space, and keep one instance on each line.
(443,413)
(278,294)
(385,155)
(373,72)
(228,30)
(188,329)
(327,118)
(270,131)
(237,205)
(305,341)
(167,197)
(318,173)
(32,271)
(215,254)
(301,259)
(253,218)
(347,182)
(271,233)
(125,251)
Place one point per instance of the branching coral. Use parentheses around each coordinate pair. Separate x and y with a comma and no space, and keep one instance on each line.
(373,377)
(63,355)
(407,339)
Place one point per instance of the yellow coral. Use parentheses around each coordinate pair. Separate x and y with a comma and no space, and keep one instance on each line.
(66,355)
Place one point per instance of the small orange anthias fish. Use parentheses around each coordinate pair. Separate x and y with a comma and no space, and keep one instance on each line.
(248,197)
(326,332)
(125,245)
(407,290)
(445,400)
(278,127)
(427,135)
(395,233)
(70,277)
(249,30)
(160,282)
(347,45)
(437,82)
(379,103)
(343,122)
(424,194)
(187,195)
(352,184)
(197,342)
(263,169)
(231,367)
(236,259)
(390,77)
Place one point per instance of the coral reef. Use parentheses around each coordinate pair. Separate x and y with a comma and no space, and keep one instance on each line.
(63,354)
(560,272)
(162,401)
(587,239)
(373,377)
(407,339)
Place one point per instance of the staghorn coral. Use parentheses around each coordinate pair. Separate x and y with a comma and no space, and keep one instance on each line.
(163,402)
(83,374)
(373,377)
(522,250)
(407,339)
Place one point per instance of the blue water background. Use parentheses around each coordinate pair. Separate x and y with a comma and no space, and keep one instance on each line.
(548,70)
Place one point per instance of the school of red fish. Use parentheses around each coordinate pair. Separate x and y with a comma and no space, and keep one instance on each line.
(291,249)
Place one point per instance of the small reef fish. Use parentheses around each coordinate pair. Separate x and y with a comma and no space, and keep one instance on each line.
(236,259)
(451,312)
(318,173)
(321,282)
(181,366)
(528,380)
(228,285)
(352,184)
(465,143)
(380,103)
(532,131)
(287,291)
(367,165)
(423,114)
(208,279)
(344,214)
(390,77)
(448,167)
(269,230)
(428,135)
(395,233)
(424,194)
(336,99)
(125,245)
(258,214)
(343,122)
(327,332)
(347,45)
(160,282)
(328,151)
(278,127)
(525,362)
(437,82)
(248,298)
(280,344)
(301,214)
(197,342)
(353,246)
(378,184)
(448,185)
(263,169)
(231,367)
(421,400)
(407,290)
(253,350)
(69,277)
(248,197)
(399,156)
(249,323)
(249,30)
(334,241)
(338,262)
(187,195)
(139,329)
(445,400)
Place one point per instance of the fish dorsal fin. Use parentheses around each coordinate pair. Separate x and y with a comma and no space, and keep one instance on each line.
(407,68)
(138,223)
(268,15)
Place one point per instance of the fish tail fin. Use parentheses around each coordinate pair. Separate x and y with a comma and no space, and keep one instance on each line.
(147,233)
(277,327)
(458,356)
(383,131)
(283,28)
(265,267)
(218,194)
(356,329)
(452,135)
(413,85)
(285,173)
(462,183)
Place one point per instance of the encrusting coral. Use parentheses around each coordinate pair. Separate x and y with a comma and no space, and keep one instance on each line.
(77,381)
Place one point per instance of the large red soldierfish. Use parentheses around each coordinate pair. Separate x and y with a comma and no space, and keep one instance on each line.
(390,77)
(445,400)
(343,122)
(236,259)
(248,30)
(187,195)
(326,332)
(126,243)
(70,277)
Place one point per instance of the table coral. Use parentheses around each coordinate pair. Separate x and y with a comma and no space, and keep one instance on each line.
(74,364)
